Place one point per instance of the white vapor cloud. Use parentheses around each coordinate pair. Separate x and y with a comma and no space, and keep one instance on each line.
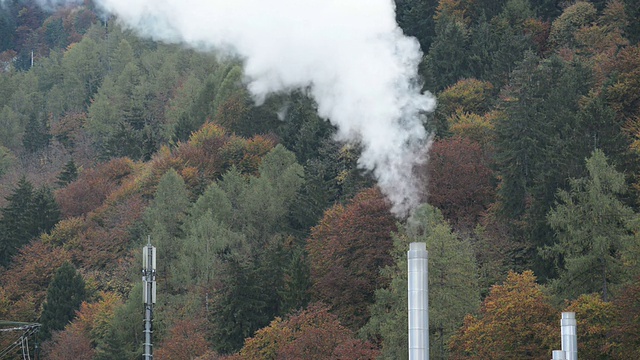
(350,54)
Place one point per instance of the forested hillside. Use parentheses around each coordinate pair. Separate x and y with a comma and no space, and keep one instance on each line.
(272,242)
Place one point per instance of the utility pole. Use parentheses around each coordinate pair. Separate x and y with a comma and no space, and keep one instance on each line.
(148,295)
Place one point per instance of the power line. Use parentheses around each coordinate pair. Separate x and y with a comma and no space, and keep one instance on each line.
(28,330)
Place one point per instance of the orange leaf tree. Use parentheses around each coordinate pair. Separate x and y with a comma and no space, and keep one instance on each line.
(594,320)
(313,333)
(516,321)
(186,341)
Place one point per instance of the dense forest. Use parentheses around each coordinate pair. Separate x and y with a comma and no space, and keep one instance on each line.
(272,242)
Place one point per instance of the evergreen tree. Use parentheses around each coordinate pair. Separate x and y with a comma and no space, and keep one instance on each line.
(415,17)
(16,220)
(453,286)
(496,45)
(540,144)
(447,60)
(594,232)
(45,211)
(164,218)
(64,296)
(36,135)
(68,174)
(6,160)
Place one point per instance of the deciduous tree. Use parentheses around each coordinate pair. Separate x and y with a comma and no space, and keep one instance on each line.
(313,333)
(186,341)
(347,249)
(460,181)
(515,320)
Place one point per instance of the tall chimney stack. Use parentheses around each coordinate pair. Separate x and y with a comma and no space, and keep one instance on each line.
(569,333)
(418,287)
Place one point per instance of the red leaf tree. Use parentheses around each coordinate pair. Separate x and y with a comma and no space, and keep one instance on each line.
(347,250)
(460,181)
(186,340)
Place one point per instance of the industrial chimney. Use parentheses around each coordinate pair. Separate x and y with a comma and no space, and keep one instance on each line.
(569,337)
(569,333)
(418,302)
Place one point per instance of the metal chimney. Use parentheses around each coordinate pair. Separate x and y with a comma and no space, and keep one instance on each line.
(418,302)
(558,355)
(569,333)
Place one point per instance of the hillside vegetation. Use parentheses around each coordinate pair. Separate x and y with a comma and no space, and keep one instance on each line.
(272,243)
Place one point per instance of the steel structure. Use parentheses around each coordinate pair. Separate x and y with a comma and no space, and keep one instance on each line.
(418,287)
(148,295)
(28,330)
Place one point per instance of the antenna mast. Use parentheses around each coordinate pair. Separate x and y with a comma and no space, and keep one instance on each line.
(148,295)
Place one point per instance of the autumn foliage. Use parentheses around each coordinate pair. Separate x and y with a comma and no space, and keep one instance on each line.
(460,180)
(92,187)
(313,333)
(347,249)
(185,341)
(516,321)
(627,323)
(26,281)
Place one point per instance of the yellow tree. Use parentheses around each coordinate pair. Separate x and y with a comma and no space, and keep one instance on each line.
(516,321)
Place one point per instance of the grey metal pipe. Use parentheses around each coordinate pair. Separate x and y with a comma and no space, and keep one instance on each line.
(418,286)
(569,333)
(558,355)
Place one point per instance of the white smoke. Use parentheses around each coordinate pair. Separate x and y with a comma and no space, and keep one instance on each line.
(350,54)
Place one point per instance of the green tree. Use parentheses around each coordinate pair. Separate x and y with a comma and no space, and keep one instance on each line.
(45,211)
(27,214)
(415,17)
(84,69)
(453,286)
(68,174)
(593,230)
(6,160)
(54,33)
(206,241)
(447,60)
(164,218)
(64,296)
(124,337)
(36,135)
(264,205)
(496,45)
(540,145)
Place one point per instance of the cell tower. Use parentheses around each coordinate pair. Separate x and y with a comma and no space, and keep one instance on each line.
(148,295)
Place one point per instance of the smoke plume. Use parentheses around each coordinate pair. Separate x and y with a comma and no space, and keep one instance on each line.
(350,55)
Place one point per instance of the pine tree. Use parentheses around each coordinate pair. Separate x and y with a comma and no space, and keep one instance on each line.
(540,144)
(164,218)
(64,296)
(594,231)
(15,223)
(68,174)
(453,286)
(36,135)
(45,211)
